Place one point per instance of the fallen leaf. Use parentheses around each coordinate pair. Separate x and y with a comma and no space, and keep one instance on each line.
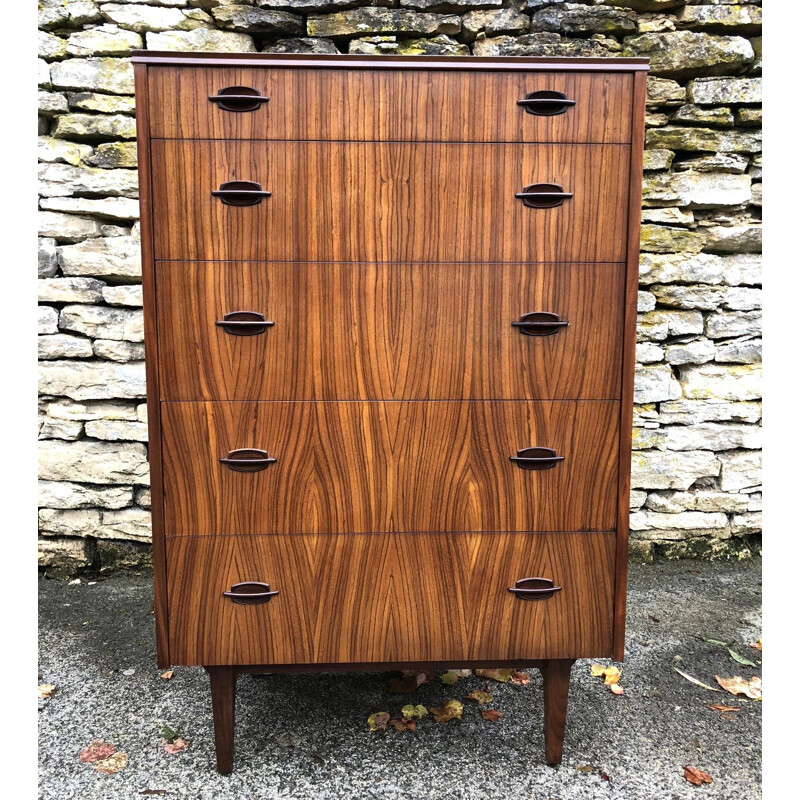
(480,697)
(696,776)
(738,685)
(450,709)
(593,769)
(167,734)
(741,659)
(166,676)
(501,675)
(654,619)
(721,707)
(403,724)
(452,675)
(598,670)
(288,739)
(406,683)
(695,681)
(414,712)
(611,676)
(756,645)
(46,690)
(713,641)
(492,715)
(96,750)
(520,678)
(175,746)
(112,764)
(130,671)
(378,721)
(616,689)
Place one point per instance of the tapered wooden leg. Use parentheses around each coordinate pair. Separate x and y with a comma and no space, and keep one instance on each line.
(223,705)
(556,674)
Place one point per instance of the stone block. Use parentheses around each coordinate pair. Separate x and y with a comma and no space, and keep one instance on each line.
(721,381)
(709,140)
(66,14)
(709,436)
(652,384)
(111,155)
(102,463)
(691,412)
(104,40)
(127,524)
(687,54)
(101,103)
(144,18)
(664,469)
(48,259)
(92,380)
(115,258)
(747,351)
(661,324)
(733,324)
(103,322)
(696,500)
(369,20)
(698,351)
(740,470)
(116,350)
(61,345)
(47,320)
(724,90)
(663,239)
(301,45)
(114,556)
(68,409)
(60,429)
(493,22)
(247,19)
(67,227)
(112,75)
(664,92)
(64,180)
(119,209)
(65,495)
(70,290)
(95,127)
(62,557)
(61,151)
(201,39)
(721,18)
(578,18)
(116,430)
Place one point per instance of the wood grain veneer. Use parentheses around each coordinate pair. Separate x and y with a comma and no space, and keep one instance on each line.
(389,202)
(392,597)
(429,105)
(389,331)
(389,466)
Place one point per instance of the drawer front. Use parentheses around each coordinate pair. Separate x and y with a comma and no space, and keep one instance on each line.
(389,202)
(389,466)
(397,105)
(363,598)
(389,331)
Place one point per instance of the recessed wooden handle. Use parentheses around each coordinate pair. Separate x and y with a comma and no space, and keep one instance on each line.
(247,459)
(240,193)
(543,195)
(238,99)
(244,323)
(251,593)
(536,458)
(534,588)
(539,323)
(546,103)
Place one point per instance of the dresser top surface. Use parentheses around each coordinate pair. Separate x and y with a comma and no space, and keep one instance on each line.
(503,63)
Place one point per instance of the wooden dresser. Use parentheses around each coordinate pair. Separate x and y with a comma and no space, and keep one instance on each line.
(390,307)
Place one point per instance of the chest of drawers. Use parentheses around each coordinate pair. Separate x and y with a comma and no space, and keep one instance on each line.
(390,307)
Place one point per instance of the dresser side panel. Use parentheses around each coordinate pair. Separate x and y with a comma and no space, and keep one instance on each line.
(143,110)
(629,360)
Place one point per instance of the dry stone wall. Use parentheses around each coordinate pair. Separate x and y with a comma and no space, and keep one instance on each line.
(696,460)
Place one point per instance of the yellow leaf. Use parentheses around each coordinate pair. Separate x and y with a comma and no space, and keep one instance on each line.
(756,645)
(480,697)
(616,688)
(165,676)
(450,709)
(598,670)
(501,675)
(414,712)
(403,724)
(378,721)
(612,675)
(46,690)
(112,764)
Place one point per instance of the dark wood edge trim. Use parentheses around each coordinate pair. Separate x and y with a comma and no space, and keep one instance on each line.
(385,666)
(516,63)
(151,365)
(463,142)
(629,361)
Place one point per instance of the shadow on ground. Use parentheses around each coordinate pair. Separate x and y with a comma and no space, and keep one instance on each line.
(305,736)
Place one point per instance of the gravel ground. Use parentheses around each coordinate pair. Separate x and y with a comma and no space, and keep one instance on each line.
(305,736)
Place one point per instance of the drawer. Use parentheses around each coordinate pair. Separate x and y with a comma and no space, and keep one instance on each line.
(388,202)
(389,331)
(404,105)
(388,466)
(378,598)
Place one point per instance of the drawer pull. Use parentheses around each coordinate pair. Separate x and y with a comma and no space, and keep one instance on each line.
(534,588)
(244,323)
(250,593)
(538,323)
(240,193)
(238,98)
(543,195)
(248,459)
(546,103)
(536,458)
